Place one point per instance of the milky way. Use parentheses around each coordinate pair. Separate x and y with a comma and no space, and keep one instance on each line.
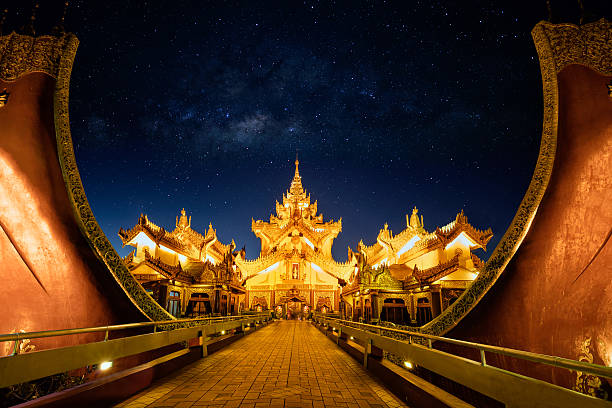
(389,107)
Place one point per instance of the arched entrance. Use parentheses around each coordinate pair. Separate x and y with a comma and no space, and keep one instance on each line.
(199,305)
(295,304)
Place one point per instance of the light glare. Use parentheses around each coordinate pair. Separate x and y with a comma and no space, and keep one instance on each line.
(106,365)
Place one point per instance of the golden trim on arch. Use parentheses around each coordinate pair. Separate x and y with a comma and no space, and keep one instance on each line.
(558,45)
(54,55)
(83,213)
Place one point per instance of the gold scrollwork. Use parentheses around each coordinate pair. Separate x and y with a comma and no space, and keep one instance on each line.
(56,55)
(589,45)
(587,383)
(558,45)
(23,54)
(4,95)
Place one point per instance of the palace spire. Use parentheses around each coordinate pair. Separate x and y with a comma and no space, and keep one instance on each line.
(296,184)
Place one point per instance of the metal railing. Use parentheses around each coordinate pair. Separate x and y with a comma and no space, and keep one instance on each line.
(505,386)
(23,367)
(18,337)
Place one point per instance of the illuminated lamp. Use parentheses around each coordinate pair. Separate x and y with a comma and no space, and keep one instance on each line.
(106,365)
(408,365)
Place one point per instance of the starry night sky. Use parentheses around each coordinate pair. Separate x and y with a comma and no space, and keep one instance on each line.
(203,105)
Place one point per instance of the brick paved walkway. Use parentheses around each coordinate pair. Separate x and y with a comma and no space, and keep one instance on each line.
(286,364)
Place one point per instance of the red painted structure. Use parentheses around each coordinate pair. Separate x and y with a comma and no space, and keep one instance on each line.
(51,276)
(555,295)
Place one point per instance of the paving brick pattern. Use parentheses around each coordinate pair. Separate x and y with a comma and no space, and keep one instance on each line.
(285,364)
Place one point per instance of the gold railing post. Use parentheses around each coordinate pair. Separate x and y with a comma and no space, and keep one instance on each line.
(367,349)
(17,342)
(483,360)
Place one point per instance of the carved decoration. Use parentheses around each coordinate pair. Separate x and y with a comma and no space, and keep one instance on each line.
(324,301)
(587,383)
(558,45)
(437,272)
(526,212)
(260,301)
(55,56)
(23,54)
(589,44)
(4,98)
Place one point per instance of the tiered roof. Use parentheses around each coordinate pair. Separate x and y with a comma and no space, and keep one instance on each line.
(295,212)
(389,245)
(182,239)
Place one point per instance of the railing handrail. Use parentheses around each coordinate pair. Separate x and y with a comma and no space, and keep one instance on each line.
(555,361)
(66,332)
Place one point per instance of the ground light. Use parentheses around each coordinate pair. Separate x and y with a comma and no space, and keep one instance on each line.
(106,365)
(408,364)
(222,332)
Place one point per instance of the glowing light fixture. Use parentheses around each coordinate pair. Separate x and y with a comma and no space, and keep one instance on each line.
(408,245)
(316,267)
(165,248)
(222,331)
(268,269)
(308,243)
(408,365)
(106,365)
(352,338)
(142,240)
(462,239)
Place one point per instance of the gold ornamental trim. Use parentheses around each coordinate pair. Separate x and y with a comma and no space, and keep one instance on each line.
(23,54)
(516,232)
(589,45)
(90,229)
(558,45)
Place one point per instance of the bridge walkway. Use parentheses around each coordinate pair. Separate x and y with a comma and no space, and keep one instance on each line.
(285,364)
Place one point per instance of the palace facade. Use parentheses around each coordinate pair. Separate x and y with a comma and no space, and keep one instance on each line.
(295,271)
(411,277)
(186,272)
(407,278)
